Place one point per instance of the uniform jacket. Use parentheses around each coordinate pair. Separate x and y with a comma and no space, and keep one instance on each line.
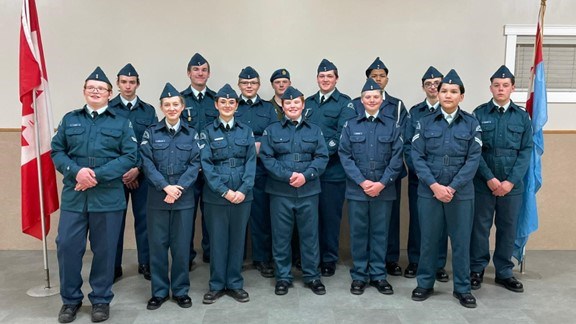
(199,114)
(416,112)
(228,161)
(170,160)
(287,148)
(105,144)
(506,146)
(371,151)
(447,153)
(330,116)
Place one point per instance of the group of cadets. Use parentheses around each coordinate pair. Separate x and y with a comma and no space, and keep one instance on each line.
(283,168)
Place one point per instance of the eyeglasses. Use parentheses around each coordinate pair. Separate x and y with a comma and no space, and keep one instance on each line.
(96,89)
(431,84)
(252,83)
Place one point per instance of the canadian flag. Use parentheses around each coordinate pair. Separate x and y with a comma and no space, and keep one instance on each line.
(37,127)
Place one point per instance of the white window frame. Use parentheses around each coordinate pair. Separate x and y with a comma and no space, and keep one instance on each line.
(512,32)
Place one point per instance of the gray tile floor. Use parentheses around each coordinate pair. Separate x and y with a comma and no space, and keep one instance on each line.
(549,282)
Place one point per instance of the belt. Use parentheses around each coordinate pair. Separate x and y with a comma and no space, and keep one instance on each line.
(91,162)
(501,152)
(296,157)
(447,160)
(231,162)
(372,165)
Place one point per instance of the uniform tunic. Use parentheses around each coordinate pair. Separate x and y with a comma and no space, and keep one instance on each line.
(370,150)
(229,163)
(107,145)
(447,154)
(170,160)
(285,149)
(507,145)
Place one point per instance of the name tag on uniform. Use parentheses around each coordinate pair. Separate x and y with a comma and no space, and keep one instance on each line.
(74,125)
(486,122)
(358,133)
(219,138)
(160,141)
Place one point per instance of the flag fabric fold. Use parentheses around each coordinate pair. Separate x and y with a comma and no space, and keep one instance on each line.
(37,127)
(536,105)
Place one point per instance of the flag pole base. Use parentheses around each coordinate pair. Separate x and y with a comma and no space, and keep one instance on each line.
(43,291)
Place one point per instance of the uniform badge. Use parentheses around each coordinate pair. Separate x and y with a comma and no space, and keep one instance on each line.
(202,136)
(160,141)
(345,124)
(486,122)
(417,136)
(219,139)
(200,146)
(251,134)
(74,125)
(264,133)
(478,128)
(350,105)
(358,133)
(401,139)
(418,125)
(479,141)
(196,137)
(144,142)
(134,139)
(146,135)
(129,124)
(332,143)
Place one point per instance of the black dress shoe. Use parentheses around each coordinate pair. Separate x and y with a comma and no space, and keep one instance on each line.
(476,279)
(100,312)
(240,295)
(393,269)
(383,286)
(68,312)
(117,273)
(265,268)
(316,286)
(212,296)
(466,299)
(328,269)
(421,294)
(282,287)
(144,269)
(442,275)
(183,301)
(357,287)
(156,302)
(511,284)
(411,270)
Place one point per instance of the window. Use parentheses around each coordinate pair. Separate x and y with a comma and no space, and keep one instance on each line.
(559,51)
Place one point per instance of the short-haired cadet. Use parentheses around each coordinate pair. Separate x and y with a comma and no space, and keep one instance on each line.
(141,114)
(446,151)
(92,149)
(280,81)
(371,154)
(257,114)
(170,160)
(430,81)
(330,109)
(294,153)
(394,107)
(198,113)
(228,158)
(506,147)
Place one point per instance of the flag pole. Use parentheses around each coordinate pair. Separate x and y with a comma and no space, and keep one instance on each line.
(47,289)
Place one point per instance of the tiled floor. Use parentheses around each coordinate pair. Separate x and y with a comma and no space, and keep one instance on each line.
(550,297)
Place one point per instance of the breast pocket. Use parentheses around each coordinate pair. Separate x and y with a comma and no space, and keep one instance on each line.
(384,147)
(433,138)
(219,149)
(309,144)
(160,152)
(241,147)
(110,138)
(330,120)
(514,136)
(461,143)
(358,143)
(488,131)
(281,144)
(74,135)
(140,125)
(184,152)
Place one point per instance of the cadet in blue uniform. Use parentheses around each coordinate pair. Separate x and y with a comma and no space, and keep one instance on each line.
(199,113)
(430,81)
(371,154)
(330,109)
(128,104)
(229,164)
(446,151)
(280,80)
(170,160)
(507,145)
(295,155)
(92,149)
(394,107)
(257,114)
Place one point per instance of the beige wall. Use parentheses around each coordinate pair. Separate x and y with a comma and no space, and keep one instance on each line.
(555,200)
(159,37)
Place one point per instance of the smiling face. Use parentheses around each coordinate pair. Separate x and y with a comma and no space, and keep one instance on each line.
(371,100)
(327,81)
(226,107)
(127,86)
(199,75)
(293,107)
(450,97)
(501,90)
(172,108)
(97,93)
